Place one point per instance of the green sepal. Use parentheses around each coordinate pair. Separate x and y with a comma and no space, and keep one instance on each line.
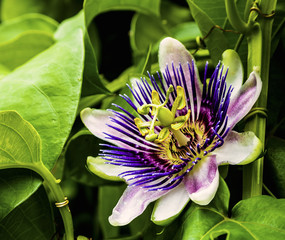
(99,167)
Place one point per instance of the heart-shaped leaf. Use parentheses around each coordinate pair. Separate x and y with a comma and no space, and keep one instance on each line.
(259,217)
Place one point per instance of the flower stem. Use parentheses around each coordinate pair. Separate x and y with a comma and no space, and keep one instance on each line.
(259,43)
(58,197)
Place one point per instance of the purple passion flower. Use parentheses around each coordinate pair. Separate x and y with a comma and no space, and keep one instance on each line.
(170,149)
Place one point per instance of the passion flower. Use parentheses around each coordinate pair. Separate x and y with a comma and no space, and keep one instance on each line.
(182,130)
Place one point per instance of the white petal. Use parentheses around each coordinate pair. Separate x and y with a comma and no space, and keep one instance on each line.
(203,181)
(232,62)
(96,120)
(239,148)
(168,207)
(132,203)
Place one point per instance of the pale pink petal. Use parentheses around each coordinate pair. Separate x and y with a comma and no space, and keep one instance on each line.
(99,121)
(239,148)
(132,204)
(243,101)
(168,207)
(172,51)
(203,181)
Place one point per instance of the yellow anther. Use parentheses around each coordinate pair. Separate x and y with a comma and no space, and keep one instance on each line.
(143,110)
(151,137)
(181,100)
(155,97)
(142,126)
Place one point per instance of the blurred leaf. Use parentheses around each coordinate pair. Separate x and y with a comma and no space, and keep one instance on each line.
(275,166)
(275,103)
(82,238)
(255,218)
(16,185)
(215,41)
(144,66)
(173,14)
(14,8)
(118,99)
(94,7)
(79,147)
(141,36)
(12,28)
(221,199)
(278,25)
(58,10)
(19,50)
(31,220)
(185,32)
(107,199)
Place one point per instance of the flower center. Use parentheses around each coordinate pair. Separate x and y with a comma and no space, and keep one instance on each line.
(164,121)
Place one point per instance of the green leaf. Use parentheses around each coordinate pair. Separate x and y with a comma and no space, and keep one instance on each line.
(16,185)
(20,144)
(91,80)
(255,218)
(216,42)
(20,147)
(12,28)
(214,9)
(94,7)
(31,220)
(45,91)
(19,50)
(275,166)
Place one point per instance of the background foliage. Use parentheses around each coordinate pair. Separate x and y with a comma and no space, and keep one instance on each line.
(58,57)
